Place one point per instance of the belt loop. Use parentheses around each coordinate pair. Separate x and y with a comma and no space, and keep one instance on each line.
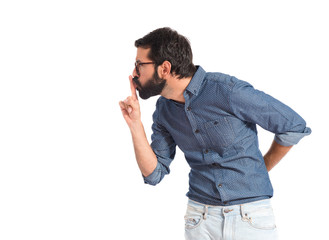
(241,211)
(244,215)
(205,212)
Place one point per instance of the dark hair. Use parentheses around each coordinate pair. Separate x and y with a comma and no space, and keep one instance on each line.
(167,45)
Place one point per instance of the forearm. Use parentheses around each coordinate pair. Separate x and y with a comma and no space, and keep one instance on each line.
(146,159)
(275,154)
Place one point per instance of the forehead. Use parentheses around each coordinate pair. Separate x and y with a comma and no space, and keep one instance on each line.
(142,54)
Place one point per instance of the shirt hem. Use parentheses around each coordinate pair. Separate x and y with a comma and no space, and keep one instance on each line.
(228,203)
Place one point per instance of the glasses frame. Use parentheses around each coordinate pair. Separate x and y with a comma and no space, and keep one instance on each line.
(138,64)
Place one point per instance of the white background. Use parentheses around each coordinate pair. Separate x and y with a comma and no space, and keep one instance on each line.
(67,167)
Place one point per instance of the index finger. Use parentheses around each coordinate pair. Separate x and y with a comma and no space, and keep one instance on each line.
(132,88)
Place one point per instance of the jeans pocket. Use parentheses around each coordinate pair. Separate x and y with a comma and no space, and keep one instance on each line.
(192,221)
(193,218)
(260,219)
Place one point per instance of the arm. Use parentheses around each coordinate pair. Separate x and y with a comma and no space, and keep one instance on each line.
(153,160)
(257,107)
(146,159)
(275,154)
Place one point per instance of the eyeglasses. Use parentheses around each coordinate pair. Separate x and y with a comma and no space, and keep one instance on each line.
(138,64)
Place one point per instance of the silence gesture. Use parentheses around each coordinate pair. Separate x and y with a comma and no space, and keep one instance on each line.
(130,107)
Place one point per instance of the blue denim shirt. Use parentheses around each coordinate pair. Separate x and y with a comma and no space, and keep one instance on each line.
(216,130)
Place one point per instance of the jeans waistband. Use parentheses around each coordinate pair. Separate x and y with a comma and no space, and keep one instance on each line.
(240,209)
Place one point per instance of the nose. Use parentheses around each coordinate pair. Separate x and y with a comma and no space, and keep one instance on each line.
(135,73)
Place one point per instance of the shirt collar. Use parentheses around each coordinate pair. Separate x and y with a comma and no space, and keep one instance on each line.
(196,81)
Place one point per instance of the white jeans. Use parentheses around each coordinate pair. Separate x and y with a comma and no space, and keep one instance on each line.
(252,221)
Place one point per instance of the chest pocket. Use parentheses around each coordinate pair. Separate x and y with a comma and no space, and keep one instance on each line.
(220,132)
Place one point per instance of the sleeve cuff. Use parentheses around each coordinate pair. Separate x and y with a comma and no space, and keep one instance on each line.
(154,177)
(291,138)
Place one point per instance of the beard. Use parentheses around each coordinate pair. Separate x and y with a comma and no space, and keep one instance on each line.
(152,87)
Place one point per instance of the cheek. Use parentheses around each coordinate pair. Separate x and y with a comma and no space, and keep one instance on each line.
(147,73)
(141,82)
(144,79)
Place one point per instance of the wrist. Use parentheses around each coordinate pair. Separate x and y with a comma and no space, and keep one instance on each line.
(136,126)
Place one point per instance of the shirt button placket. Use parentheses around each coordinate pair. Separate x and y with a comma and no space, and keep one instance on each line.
(192,121)
(188,109)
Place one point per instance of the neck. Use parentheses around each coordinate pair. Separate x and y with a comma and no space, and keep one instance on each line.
(175,89)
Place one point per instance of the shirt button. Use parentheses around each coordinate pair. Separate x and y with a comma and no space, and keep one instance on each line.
(189,108)
(197,131)
(220,185)
(214,164)
(206,151)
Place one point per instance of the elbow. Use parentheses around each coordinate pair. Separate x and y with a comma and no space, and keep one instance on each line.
(153,179)
(299,126)
(292,137)
(156,176)
(151,183)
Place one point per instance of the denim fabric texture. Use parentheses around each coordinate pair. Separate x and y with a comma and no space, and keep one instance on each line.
(250,221)
(216,130)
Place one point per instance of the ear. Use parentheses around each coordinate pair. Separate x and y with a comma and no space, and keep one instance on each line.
(164,69)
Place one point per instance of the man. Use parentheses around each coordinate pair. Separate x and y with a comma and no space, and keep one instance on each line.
(212,118)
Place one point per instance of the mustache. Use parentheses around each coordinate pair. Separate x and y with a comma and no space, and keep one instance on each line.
(135,80)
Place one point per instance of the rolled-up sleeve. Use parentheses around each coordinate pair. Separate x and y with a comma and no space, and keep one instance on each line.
(260,108)
(164,148)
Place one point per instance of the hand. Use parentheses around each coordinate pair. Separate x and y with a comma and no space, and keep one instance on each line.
(130,106)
